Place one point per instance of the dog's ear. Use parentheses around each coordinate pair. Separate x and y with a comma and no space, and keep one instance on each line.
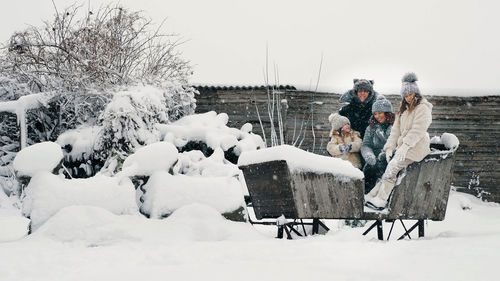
(355,80)
(371,82)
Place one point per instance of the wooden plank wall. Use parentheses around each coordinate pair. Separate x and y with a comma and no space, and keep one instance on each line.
(474,120)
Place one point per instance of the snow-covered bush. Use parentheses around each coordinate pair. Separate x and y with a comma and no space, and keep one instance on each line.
(209,131)
(64,111)
(78,146)
(8,149)
(129,120)
(194,163)
(201,172)
(167,193)
(11,89)
(46,194)
(81,57)
(180,100)
(40,157)
(160,156)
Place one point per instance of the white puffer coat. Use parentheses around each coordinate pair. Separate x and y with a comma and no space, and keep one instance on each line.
(411,128)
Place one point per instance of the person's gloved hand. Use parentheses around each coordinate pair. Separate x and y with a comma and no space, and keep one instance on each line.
(388,155)
(381,156)
(348,147)
(342,148)
(370,159)
(402,151)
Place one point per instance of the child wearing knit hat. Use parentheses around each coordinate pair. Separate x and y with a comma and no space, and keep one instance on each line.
(375,137)
(345,142)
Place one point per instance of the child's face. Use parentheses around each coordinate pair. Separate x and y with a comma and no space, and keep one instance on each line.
(346,128)
(379,116)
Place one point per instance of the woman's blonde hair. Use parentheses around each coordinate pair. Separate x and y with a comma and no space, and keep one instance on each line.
(404,105)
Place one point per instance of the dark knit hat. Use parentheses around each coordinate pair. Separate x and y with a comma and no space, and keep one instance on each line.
(409,85)
(338,121)
(363,85)
(382,105)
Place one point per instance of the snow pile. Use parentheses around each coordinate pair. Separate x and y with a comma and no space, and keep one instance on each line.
(200,222)
(39,157)
(17,227)
(160,156)
(47,193)
(12,224)
(78,144)
(179,179)
(302,161)
(450,141)
(94,226)
(211,129)
(194,163)
(165,193)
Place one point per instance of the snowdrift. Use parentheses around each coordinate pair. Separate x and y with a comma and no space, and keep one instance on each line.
(47,193)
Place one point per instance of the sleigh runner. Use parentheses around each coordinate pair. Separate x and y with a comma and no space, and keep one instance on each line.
(276,189)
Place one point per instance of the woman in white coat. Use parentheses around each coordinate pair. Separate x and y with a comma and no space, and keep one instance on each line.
(408,139)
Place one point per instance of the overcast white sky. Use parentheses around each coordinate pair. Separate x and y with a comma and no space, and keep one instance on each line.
(449,44)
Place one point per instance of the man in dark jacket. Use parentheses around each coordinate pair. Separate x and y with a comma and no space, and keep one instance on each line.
(359,108)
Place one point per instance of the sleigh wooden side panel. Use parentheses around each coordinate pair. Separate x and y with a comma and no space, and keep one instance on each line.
(423,191)
(276,191)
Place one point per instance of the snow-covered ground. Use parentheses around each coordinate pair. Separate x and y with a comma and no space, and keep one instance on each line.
(91,229)
(196,243)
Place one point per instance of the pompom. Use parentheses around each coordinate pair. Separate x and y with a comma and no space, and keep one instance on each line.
(410,77)
(330,118)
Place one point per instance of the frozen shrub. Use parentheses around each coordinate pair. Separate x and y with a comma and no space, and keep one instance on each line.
(129,120)
(81,56)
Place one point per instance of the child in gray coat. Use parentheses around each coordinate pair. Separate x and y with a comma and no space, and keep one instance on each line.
(375,137)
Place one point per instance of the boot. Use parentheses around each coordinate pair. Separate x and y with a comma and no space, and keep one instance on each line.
(379,202)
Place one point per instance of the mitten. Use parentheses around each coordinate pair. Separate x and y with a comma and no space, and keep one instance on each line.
(402,151)
(348,147)
(342,147)
(370,159)
(388,155)
(381,156)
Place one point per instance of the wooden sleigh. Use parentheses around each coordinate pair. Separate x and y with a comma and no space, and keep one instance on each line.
(421,193)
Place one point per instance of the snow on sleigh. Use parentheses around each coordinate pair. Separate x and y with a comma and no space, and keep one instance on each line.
(286,182)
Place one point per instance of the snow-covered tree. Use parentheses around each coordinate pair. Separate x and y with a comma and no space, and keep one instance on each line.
(81,57)
(77,50)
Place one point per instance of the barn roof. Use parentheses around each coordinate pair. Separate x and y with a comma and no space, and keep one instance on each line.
(241,87)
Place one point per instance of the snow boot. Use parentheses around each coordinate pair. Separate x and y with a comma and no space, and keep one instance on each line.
(379,202)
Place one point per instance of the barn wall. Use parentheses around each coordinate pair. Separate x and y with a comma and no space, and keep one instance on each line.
(474,120)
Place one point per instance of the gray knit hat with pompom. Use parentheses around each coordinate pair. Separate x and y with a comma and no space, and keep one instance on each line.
(409,85)
(338,121)
(382,105)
